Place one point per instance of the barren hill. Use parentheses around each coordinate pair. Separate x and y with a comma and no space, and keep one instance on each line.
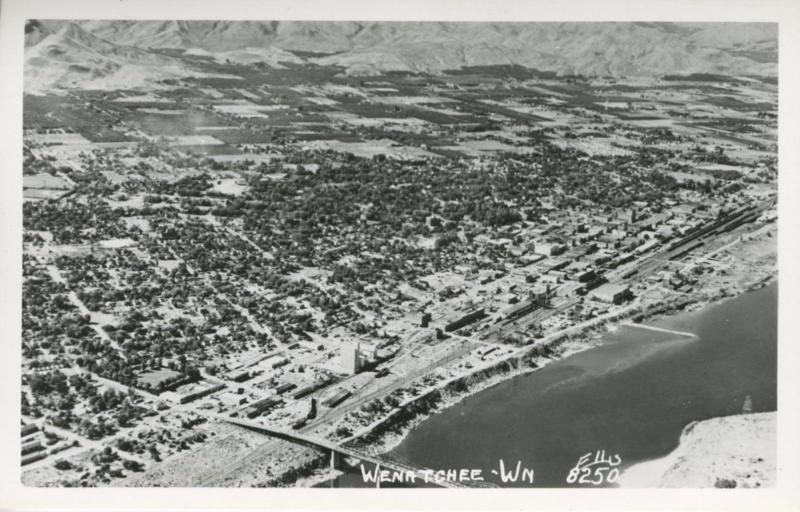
(54,48)
(65,55)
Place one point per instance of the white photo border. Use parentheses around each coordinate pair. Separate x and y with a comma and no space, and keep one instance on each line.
(786,495)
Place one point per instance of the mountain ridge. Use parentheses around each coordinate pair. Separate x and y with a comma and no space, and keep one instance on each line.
(566,48)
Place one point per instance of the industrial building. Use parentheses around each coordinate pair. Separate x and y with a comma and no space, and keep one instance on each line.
(257,408)
(283,388)
(350,358)
(307,390)
(536,301)
(612,293)
(198,392)
(472,316)
(239,375)
(336,399)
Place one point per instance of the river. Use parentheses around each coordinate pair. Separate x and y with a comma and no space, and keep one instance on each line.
(632,395)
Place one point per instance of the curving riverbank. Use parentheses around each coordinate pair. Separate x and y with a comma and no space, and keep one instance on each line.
(391,431)
(727,452)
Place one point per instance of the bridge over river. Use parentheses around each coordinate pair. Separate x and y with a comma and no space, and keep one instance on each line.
(339,451)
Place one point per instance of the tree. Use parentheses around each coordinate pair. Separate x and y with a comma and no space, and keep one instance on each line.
(193,373)
(63,465)
(132,465)
(725,483)
(343,432)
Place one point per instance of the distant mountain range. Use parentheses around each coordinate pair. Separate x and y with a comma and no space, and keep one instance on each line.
(64,56)
(110,53)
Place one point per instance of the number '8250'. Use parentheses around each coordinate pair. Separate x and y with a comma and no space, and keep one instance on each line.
(601,470)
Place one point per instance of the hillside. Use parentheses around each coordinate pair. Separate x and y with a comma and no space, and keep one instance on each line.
(106,48)
(69,57)
(567,48)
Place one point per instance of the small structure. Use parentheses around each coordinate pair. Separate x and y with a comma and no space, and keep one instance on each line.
(548,249)
(239,375)
(367,354)
(28,429)
(585,276)
(550,278)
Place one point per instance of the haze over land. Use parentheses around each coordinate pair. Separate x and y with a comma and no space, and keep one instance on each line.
(111,53)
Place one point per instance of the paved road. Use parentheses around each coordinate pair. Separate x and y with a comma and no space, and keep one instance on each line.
(265,449)
(644,266)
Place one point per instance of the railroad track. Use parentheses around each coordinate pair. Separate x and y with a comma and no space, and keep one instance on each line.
(643,268)
(264,450)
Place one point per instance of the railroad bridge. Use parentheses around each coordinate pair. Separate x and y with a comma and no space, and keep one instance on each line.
(338,451)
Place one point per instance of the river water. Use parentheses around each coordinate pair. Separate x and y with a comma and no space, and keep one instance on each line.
(631,396)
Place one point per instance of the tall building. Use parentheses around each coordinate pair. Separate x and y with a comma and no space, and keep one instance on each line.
(350,357)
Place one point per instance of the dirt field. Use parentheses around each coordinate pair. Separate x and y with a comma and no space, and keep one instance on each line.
(229,446)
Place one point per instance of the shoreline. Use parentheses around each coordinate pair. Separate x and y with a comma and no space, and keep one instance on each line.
(649,473)
(389,432)
(711,453)
(395,432)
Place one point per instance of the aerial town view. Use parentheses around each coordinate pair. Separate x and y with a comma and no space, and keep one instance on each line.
(360,254)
